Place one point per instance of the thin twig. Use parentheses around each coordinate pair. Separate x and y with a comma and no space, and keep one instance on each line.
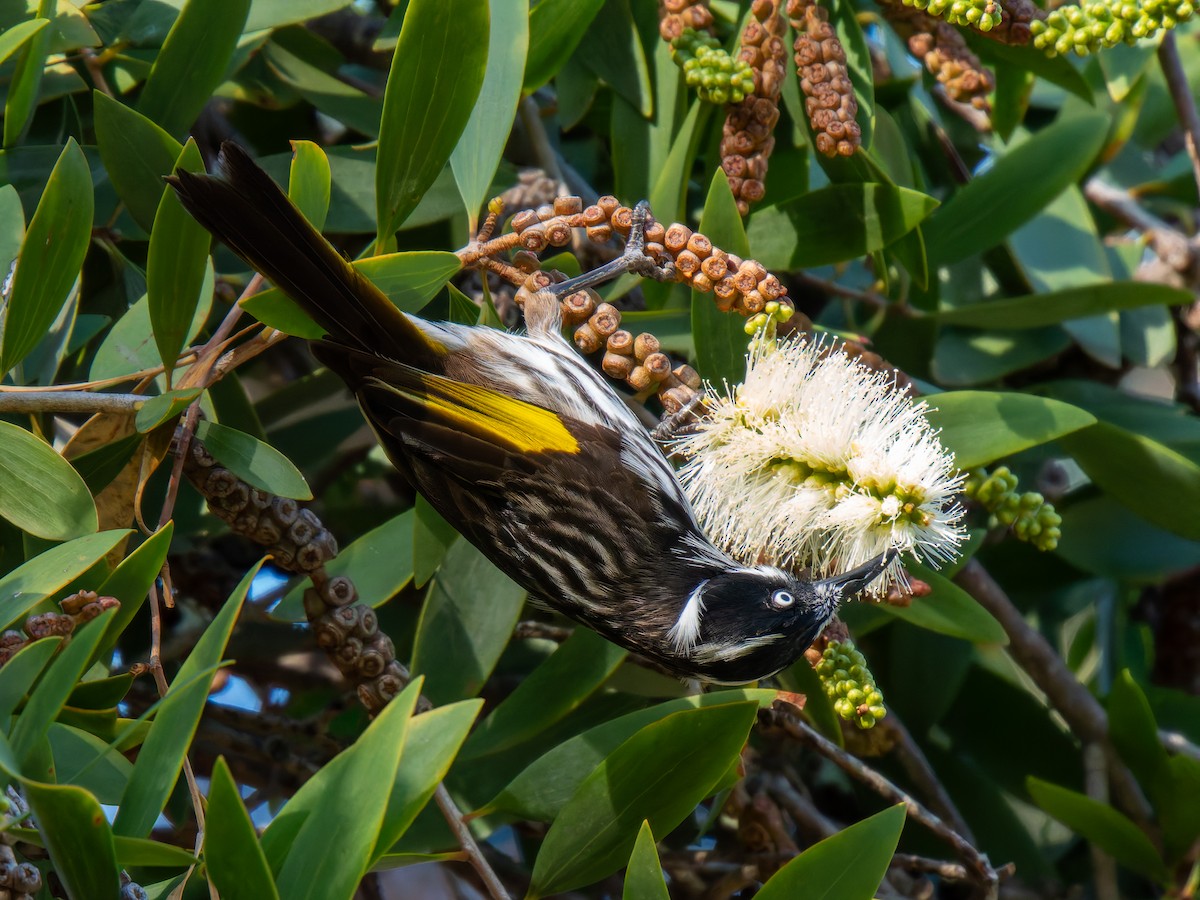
(870,298)
(1104,867)
(69,402)
(466,840)
(1073,701)
(782,717)
(917,767)
(1169,243)
(1181,96)
(1177,743)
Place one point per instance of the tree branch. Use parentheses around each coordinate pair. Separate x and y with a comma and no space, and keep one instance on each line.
(69,401)
(1181,96)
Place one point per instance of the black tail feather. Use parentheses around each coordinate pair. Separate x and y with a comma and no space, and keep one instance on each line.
(246,210)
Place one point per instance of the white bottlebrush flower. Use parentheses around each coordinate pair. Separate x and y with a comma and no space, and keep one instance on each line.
(817,463)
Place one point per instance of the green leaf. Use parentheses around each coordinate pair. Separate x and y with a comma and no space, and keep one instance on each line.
(1160,485)
(131,581)
(329,94)
(1037,310)
(232,855)
(612,49)
(983,426)
(1100,535)
(658,775)
(835,223)
(160,760)
(19,673)
(255,462)
(163,408)
(136,154)
(540,791)
(948,610)
(849,865)
(84,760)
(309,182)
(27,585)
(477,153)
(192,62)
(52,691)
(380,562)
(571,674)
(432,537)
(26,80)
(51,255)
(555,29)
(430,746)
(1016,188)
(175,266)
(13,38)
(1102,825)
(965,357)
(468,617)
(720,336)
(142,852)
(40,492)
(12,227)
(78,837)
(129,345)
(343,799)
(424,112)
(644,876)
(410,280)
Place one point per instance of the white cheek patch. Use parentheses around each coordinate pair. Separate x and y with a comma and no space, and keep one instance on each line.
(714,653)
(686,630)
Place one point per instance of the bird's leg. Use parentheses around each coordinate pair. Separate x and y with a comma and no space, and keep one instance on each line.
(633,259)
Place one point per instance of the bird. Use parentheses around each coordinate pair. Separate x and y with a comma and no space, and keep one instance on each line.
(523,447)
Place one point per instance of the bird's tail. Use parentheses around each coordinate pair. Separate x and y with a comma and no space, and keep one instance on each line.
(246,210)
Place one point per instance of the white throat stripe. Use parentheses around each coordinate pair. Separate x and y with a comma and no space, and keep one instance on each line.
(686,631)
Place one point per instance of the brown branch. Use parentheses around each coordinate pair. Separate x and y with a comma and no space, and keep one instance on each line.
(1171,244)
(1181,96)
(1073,701)
(782,717)
(918,769)
(69,402)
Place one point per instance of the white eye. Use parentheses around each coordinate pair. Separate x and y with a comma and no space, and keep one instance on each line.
(782,599)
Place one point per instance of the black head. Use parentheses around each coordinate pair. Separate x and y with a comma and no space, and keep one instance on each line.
(746,624)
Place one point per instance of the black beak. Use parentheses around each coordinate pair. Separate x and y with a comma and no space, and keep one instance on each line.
(851,583)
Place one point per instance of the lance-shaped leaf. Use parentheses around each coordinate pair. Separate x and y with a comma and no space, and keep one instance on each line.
(235,861)
(136,154)
(30,583)
(40,492)
(643,875)
(259,464)
(78,838)
(309,181)
(26,79)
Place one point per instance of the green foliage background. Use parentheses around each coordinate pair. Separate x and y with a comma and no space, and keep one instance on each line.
(1036,321)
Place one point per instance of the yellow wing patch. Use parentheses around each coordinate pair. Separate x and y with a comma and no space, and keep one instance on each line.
(506,421)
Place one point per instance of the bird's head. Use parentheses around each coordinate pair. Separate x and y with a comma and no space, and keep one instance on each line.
(748,623)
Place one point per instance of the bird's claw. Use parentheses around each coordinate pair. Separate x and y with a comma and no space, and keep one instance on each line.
(632,259)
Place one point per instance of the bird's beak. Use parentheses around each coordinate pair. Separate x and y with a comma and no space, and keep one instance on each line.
(851,583)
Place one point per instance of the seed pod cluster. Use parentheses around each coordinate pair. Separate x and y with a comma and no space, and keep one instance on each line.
(676,16)
(713,74)
(945,54)
(748,134)
(825,80)
(1016,19)
(295,537)
(982,15)
(1090,27)
(1030,516)
(849,684)
(20,881)
(348,631)
(78,608)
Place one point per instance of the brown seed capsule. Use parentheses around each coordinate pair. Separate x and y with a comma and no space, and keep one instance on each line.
(658,365)
(534,239)
(620,342)
(700,245)
(687,263)
(200,455)
(655,232)
(715,267)
(752,190)
(753,302)
(605,320)
(609,204)
(578,306)
(600,234)
(220,483)
(558,234)
(622,220)
(527,262)
(644,345)
(586,338)
(702,282)
(676,238)
(339,591)
(567,206)
(75,602)
(375,656)
(617,365)
(284,510)
(545,212)
(594,215)
(640,379)
(688,376)
(676,398)
(523,220)
(656,252)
